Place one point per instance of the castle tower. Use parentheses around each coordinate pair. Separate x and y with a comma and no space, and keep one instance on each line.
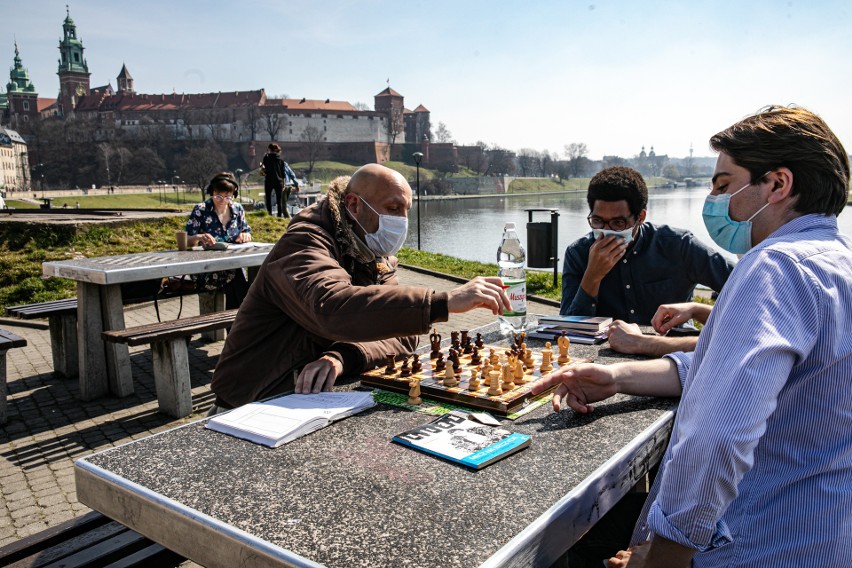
(73,71)
(22,98)
(125,81)
(391,103)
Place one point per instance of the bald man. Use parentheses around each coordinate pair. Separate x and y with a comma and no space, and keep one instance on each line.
(326,301)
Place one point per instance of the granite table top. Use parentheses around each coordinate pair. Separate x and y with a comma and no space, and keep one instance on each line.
(347,496)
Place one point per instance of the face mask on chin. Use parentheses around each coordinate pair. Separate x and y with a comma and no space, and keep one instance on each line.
(389,237)
(626,234)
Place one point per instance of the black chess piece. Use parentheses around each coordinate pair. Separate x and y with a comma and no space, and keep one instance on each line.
(454,359)
(454,340)
(404,371)
(479,343)
(391,369)
(435,340)
(475,359)
(440,364)
(416,365)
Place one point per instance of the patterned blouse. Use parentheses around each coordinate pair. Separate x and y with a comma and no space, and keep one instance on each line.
(203,219)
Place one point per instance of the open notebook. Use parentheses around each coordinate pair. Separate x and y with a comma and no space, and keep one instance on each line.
(285,418)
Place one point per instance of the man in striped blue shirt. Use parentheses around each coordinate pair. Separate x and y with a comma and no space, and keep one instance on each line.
(758,471)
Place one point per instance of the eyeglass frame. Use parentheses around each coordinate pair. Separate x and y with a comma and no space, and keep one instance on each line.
(218,197)
(622,223)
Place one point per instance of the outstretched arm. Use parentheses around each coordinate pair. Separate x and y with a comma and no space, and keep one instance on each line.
(628,338)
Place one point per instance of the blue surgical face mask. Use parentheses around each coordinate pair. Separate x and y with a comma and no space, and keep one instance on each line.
(389,237)
(626,234)
(733,236)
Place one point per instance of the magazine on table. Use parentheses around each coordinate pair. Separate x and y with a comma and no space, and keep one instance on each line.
(459,439)
(286,418)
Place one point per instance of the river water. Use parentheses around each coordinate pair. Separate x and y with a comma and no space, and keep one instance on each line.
(471,228)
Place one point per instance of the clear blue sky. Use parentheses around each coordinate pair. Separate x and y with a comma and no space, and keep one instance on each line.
(615,75)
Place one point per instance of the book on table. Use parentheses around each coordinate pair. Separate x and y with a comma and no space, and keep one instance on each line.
(584,323)
(459,439)
(285,418)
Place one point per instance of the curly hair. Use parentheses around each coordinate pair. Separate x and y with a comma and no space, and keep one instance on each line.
(619,183)
(794,138)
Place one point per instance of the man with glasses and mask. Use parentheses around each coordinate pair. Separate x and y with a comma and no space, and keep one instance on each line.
(326,301)
(626,268)
(758,470)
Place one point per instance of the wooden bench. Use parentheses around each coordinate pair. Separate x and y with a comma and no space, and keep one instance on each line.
(86,542)
(170,356)
(62,318)
(8,340)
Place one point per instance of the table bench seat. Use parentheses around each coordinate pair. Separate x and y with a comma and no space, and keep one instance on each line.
(62,319)
(89,541)
(8,340)
(170,355)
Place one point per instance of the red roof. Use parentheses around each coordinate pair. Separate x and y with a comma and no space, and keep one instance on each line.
(312,104)
(134,101)
(44,103)
(388,93)
(421,108)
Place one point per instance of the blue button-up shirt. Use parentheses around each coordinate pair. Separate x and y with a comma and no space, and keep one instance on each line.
(662,266)
(758,471)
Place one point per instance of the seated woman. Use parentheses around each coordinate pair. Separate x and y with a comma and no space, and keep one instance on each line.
(219,219)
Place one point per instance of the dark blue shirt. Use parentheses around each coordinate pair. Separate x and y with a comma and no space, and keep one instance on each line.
(662,266)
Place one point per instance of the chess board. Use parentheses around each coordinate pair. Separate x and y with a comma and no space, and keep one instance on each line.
(432,386)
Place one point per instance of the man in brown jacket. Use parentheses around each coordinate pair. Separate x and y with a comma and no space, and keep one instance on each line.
(326,300)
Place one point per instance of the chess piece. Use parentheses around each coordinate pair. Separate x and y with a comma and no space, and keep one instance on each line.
(508,379)
(467,345)
(450,377)
(486,372)
(405,370)
(528,357)
(473,384)
(454,359)
(546,355)
(475,359)
(454,340)
(439,362)
(519,372)
(416,365)
(435,340)
(391,369)
(494,384)
(564,343)
(493,358)
(414,393)
(479,343)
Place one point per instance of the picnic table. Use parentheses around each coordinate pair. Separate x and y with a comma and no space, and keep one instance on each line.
(346,496)
(105,367)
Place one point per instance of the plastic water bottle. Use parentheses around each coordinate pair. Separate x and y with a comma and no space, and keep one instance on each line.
(511,259)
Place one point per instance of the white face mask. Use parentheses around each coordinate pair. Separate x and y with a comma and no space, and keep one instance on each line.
(626,234)
(389,237)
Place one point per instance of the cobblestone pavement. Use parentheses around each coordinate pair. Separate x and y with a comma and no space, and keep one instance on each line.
(49,427)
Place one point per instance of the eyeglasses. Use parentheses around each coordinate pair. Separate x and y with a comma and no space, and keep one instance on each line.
(615,224)
(223,198)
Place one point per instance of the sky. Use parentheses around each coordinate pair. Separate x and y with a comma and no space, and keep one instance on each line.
(615,75)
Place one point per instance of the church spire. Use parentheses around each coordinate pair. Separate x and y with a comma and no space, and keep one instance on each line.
(19,77)
(73,70)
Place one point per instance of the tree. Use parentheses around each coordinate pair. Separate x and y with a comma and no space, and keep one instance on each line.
(252,119)
(395,124)
(272,123)
(528,162)
(144,166)
(575,152)
(671,171)
(443,134)
(202,163)
(313,139)
(501,162)
(361,106)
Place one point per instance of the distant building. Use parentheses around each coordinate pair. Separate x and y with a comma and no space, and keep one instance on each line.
(14,163)
(247,118)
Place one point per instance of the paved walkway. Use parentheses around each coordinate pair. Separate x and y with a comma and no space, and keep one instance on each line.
(49,427)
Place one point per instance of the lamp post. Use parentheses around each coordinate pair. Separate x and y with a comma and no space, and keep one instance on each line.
(175,182)
(417,157)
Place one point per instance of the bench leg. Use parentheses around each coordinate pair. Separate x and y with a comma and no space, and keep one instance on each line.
(93,377)
(3,388)
(117,354)
(63,345)
(171,377)
(209,303)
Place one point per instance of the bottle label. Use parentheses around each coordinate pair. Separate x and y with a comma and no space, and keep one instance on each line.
(517,292)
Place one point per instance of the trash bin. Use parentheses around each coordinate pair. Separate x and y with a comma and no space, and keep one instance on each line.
(540,251)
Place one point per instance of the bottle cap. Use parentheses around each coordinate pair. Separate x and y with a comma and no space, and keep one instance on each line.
(509,227)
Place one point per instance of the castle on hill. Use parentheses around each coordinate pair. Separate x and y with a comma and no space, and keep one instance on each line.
(249,118)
